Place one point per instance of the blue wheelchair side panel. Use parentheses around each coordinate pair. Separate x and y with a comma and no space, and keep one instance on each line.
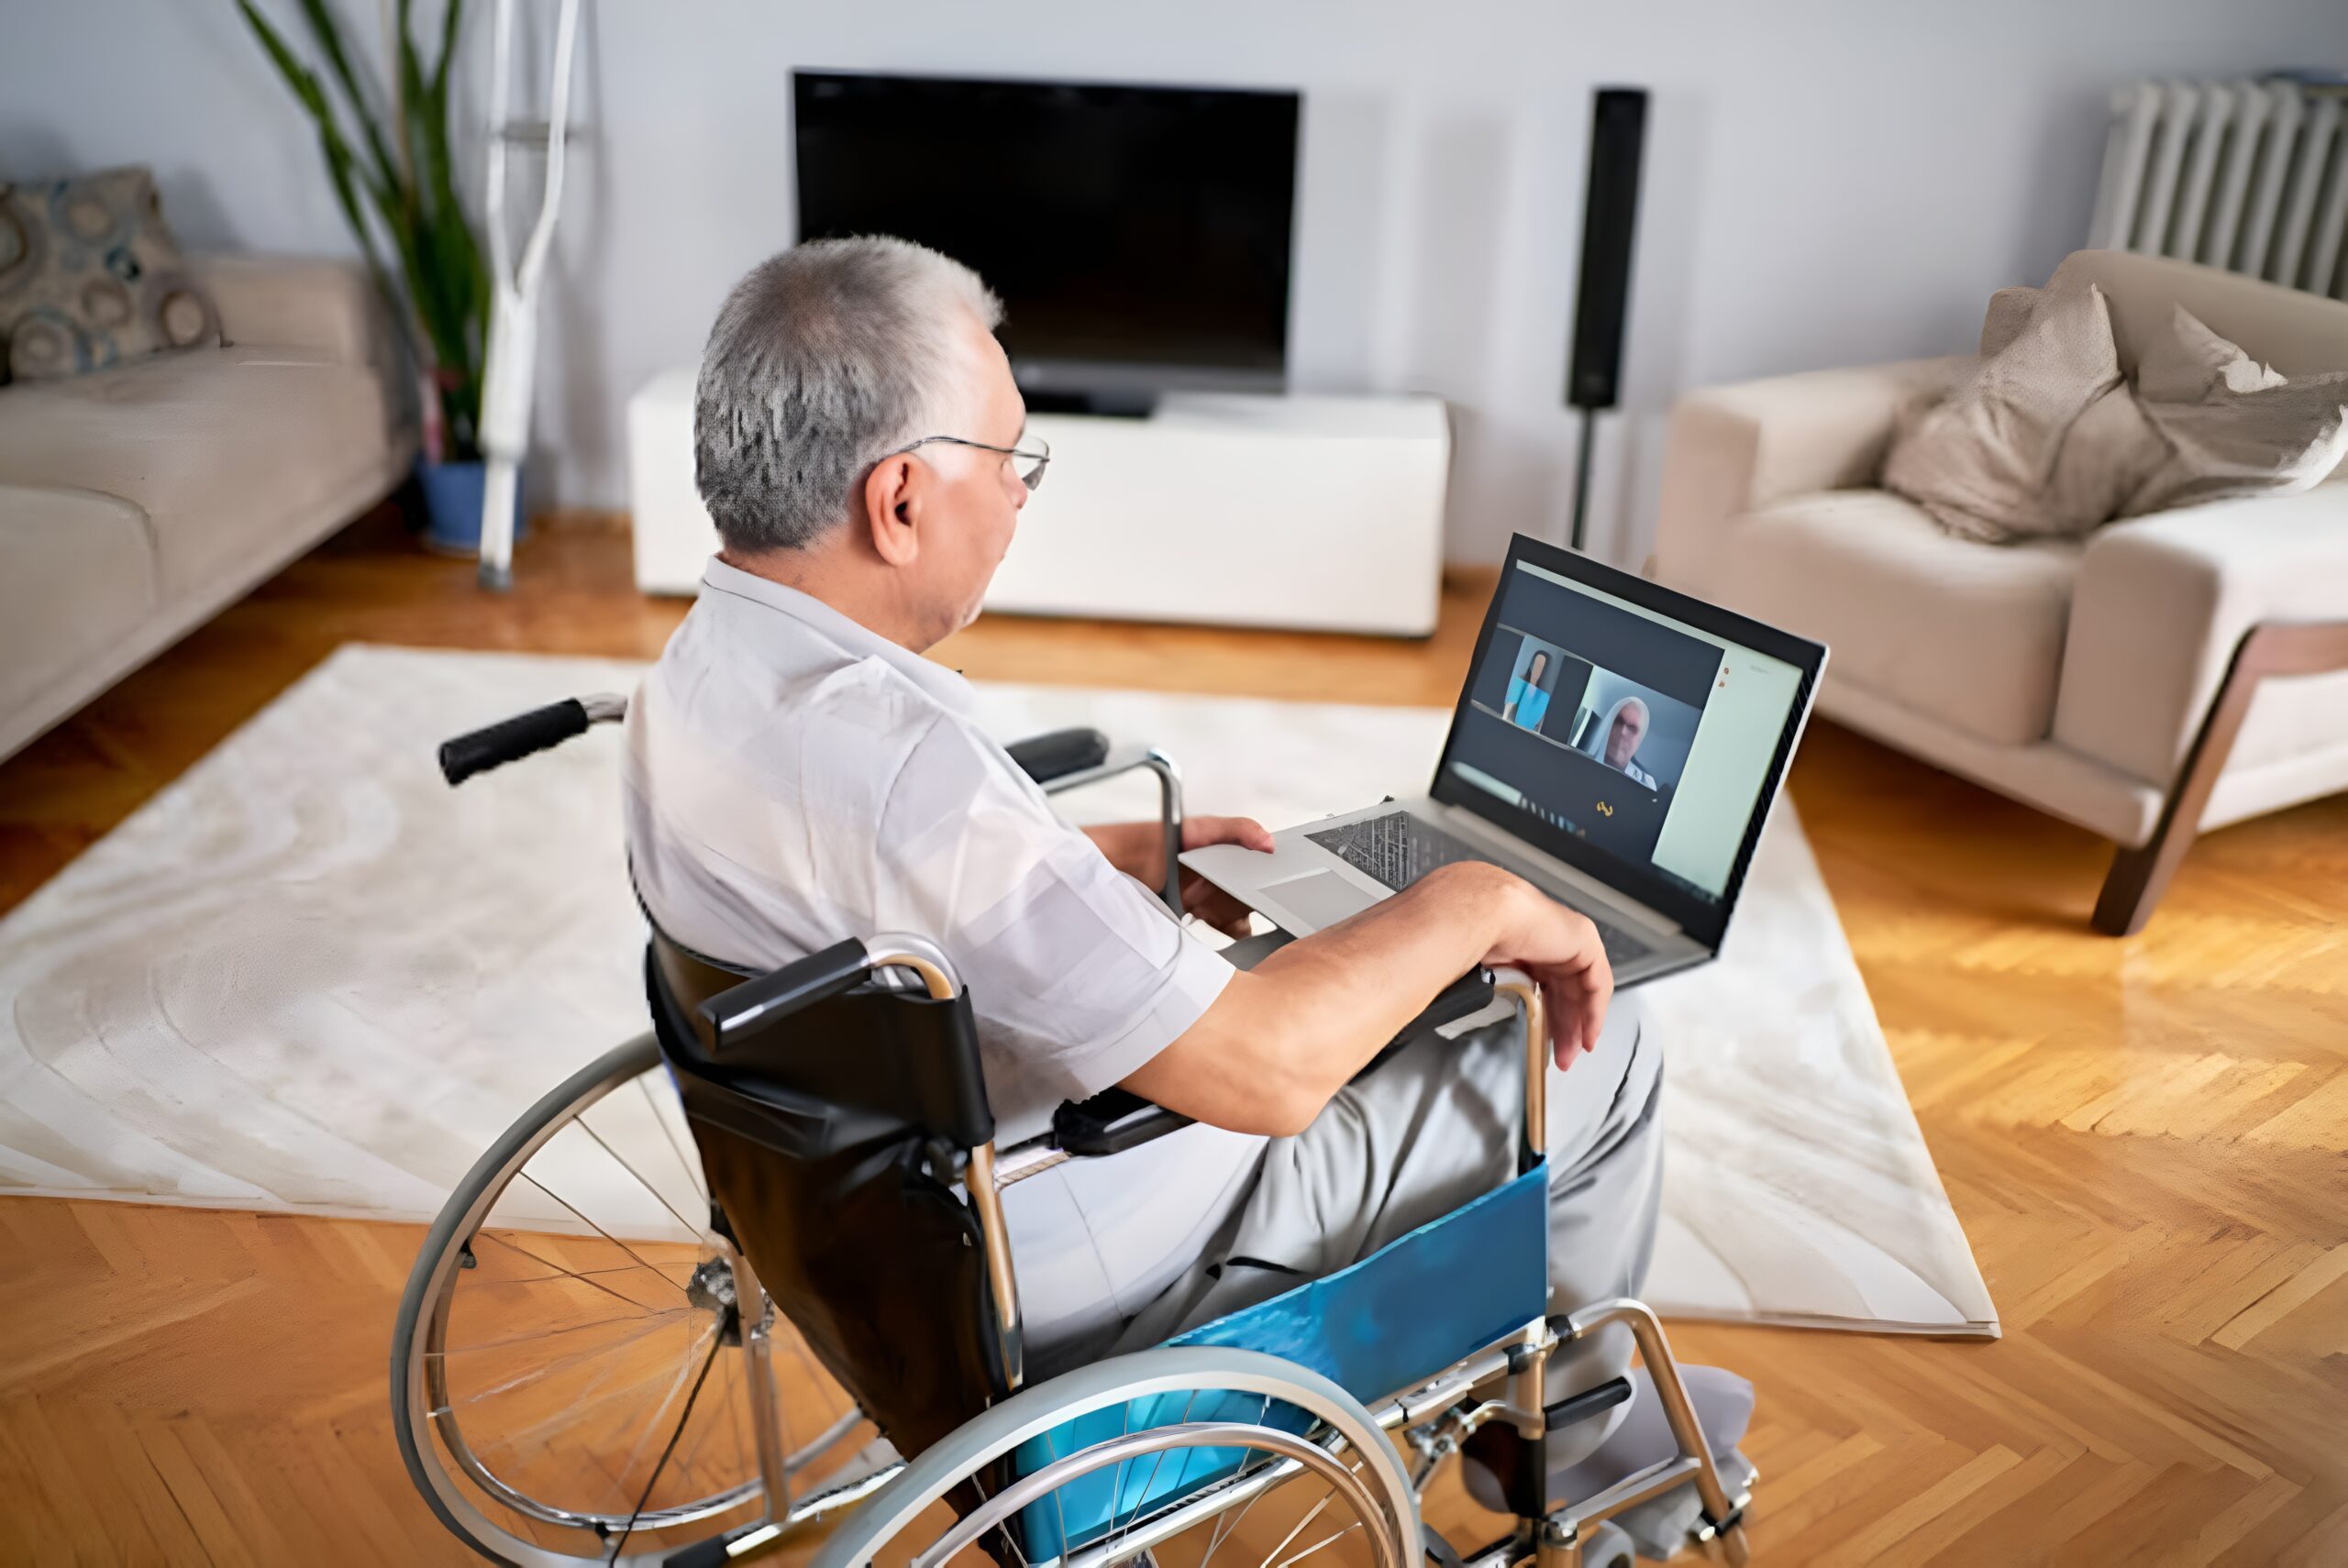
(1386,1324)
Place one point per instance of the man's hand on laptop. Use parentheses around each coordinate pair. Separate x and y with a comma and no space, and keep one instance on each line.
(1138,849)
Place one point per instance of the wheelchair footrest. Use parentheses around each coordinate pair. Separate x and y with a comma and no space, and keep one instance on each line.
(1589,1402)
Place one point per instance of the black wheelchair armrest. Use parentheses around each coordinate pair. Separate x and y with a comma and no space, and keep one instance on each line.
(1110,1123)
(1055,756)
(1471,992)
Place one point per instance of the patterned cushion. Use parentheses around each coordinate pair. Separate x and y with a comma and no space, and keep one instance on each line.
(91,279)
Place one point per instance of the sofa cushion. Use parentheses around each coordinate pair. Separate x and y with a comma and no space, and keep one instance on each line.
(1967,635)
(223,448)
(77,578)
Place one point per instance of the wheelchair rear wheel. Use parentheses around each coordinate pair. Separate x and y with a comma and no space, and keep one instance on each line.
(1180,1457)
(573,1375)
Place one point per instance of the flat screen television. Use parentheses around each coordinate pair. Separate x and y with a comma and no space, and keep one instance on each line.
(1138,236)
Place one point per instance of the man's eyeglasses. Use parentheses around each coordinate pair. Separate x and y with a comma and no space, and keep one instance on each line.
(1027,461)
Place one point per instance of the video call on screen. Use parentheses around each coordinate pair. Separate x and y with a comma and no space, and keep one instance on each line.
(1588,711)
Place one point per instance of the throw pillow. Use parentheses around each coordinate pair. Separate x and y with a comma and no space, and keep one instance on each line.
(2010,310)
(2232,425)
(2043,442)
(91,279)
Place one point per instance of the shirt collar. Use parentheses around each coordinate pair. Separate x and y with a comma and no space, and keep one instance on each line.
(851,636)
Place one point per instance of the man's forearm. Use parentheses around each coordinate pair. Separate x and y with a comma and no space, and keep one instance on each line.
(1285,1036)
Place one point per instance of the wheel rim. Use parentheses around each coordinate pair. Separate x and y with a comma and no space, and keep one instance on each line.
(1191,1529)
(1292,1468)
(568,1369)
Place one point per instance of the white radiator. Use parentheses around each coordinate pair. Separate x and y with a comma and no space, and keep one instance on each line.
(2250,176)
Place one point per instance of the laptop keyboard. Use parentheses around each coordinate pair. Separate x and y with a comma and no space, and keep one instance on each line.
(1397,849)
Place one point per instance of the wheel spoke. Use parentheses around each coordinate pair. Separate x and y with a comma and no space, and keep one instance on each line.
(1326,1540)
(1009,1535)
(563,1362)
(582,1278)
(1225,1528)
(717,1417)
(590,1399)
(547,1333)
(614,1241)
(717,1343)
(675,1388)
(1150,1481)
(1058,1507)
(698,1231)
(644,1083)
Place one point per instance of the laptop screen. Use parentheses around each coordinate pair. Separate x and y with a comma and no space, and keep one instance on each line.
(1620,734)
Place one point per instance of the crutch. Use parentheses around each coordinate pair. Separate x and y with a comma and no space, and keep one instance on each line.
(510,364)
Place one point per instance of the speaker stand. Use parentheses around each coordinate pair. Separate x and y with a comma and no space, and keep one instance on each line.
(1581,474)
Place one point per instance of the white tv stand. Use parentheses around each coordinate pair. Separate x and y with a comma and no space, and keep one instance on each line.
(1317,512)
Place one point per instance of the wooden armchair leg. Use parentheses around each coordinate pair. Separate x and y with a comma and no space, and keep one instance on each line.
(2136,881)
(2138,876)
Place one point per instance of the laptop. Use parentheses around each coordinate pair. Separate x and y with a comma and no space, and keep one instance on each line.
(1617,745)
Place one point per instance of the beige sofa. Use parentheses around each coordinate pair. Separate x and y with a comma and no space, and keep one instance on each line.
(2091,680)
(135,502)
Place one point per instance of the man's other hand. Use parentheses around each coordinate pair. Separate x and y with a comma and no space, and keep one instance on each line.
(1138,849)
(1204,899)
(1560,949)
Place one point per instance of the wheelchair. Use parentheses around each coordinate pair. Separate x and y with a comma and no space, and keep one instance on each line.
(742,1287)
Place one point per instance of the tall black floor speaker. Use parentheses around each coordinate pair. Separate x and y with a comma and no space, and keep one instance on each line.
(1618,129)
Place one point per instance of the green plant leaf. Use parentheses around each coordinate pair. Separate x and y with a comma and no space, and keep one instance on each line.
(411,208)
(332,146)
(329,40)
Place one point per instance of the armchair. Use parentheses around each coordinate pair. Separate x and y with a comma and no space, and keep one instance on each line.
(2167,675)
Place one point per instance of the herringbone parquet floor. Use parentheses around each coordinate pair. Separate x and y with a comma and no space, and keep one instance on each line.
(2145,1139)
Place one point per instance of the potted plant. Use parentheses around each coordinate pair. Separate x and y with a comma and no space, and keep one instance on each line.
(399,192)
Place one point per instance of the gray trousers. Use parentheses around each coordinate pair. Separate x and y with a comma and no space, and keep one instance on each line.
(1433,1128)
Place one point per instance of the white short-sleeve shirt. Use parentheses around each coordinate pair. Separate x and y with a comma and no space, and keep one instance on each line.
(793,780)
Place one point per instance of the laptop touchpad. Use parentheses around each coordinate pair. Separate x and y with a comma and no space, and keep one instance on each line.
(1321,896)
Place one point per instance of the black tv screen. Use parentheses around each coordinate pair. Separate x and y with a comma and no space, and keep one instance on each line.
(1138,235)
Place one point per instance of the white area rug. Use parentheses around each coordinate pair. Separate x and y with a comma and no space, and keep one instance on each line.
(309,978)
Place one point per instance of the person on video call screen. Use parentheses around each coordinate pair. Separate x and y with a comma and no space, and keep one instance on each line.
(1621,751)
(1527,702)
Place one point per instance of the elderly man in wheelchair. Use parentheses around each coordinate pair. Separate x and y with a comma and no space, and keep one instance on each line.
(1123,1246)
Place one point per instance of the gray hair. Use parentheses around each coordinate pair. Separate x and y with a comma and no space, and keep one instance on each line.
(822,360)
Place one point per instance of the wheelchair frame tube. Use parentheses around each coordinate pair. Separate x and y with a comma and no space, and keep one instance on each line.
(750,1302)
(1721,1512)
(1169,805)
(1534,1146)
(925,959)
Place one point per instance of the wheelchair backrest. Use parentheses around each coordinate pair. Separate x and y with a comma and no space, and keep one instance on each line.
(832,1113)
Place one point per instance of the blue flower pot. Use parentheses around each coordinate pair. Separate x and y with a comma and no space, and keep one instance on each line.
(452,506)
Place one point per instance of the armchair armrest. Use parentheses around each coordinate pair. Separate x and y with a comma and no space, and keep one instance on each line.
(328,307)
(2161,601)
(1733,449)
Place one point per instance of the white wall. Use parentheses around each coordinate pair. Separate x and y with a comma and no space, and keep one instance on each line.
(1827,184)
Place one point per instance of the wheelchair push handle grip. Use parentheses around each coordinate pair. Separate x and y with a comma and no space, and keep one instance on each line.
(510,740)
